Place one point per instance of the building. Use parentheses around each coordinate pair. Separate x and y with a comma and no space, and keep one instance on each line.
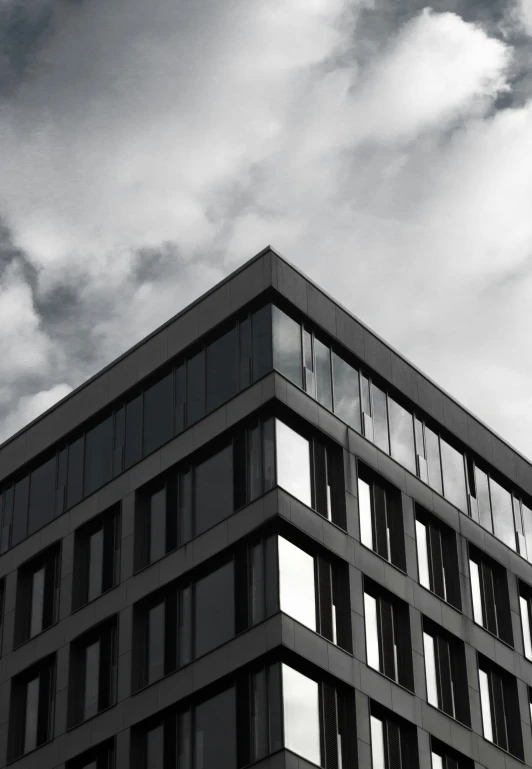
(262,537)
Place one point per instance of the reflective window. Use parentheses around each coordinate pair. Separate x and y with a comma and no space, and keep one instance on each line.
(437,761)
(222,369)
(377,743)
(157,502)
(478,614)
(32,712)
(20,510)
(364,506)
(346,392)
(503,518)
(214,490)
(92,674)
(155,667)
(195,388)
(42,496)
(37,602)
(286,346)
(526,514)
(158,414)
(180,397)
(214,609)
(37,595)
(402,435)
(485,705)
(261,331)
(95,564)
(96,557)
(432,448)
(380,419)
(296,583)
(372,634)
(155,748)
(301,714)
(454,486)
(75,472)
(322,356)
(98,456)
(215,732)
(525,621)
(133,431)
(293,462)
(430,669)
(483,499)
(422,554)
(31,709)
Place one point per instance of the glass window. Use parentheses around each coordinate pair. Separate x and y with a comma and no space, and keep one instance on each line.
(42,496)
(222,369)
(380,419)
(503,518)
(95,564)
(301,714)
(322,356)
(214,489)
(75,472)
(92,671)
(118,446)
(20,510)
(525,620)
(526,513)
(155,748)
(180,397)
(309,377)
(244,357)
(133,431)
(158,413)
(293,462)
(215,732)
(37,602)
(32,713)
(437,761)
(422,554)
(261,330)
(158,524)
(372,634)
(98,456)
(485,704)
(478,614)
(364,506)
(430,669)
(346,392)
(483,499)
(377,743)
(196,388)
(286,346)
(296,583)
(432,447)
(156,642)
(402,435)
(454,485)
(214,609)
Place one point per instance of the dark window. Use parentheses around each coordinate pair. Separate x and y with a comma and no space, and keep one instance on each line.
(20,510)
(393,741)
(489,589)
(100,757)
(213,489)
(133,431)
(501,719)
(286,346)
(196,388)
(96,557)
(214,609)
(328,485)
(215,732)
(42,496)
(75,472)
(261,331)
(346,392)
(444,757)
(437,558)
(119,440)
(445,671)
(402,435)
(155,635)
(381,517)
(7,518)
(98,456)
(92,679)
(158,414)
(180,397)
(156,520)
(32,708)
(37,595)
(245,353)
(388,645)
(61,489)
(222,369)
(2,590)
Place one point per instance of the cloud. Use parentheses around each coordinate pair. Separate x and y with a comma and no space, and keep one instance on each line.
(29,407)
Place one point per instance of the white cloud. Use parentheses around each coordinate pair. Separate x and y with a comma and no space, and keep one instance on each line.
(28,408)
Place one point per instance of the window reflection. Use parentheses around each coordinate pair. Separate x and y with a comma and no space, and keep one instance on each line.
(422,554)
(525,619)
(380,419)
(526,514)
(296,576)
(485,704)
(377,743)
(432,447)
(301,714)
(372,634)
(437,761)
(478,614)
(346,392)
(293,462)
(402,435)
(454,486)
(32,709)
(364,506)
(483,499)
(503,518)
(323,374)
(286,346)
(430,669)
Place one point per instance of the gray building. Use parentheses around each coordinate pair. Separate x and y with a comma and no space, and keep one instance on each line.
(263,537)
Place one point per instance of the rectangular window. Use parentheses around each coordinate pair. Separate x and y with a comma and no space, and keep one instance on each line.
(432,448)
(393,741)
(437,558)
(454,484)
(133,453)
(96,557)
(20,511)
(444,757)
(195,388)
(215,731)
(525,606)
(301,711)
(380,419)
(346,392)
(293,462)
(98,456)
(213,490)
(261,335)
(491,602)
(483,499)
(100,757)
(296,583)
(501,718)
(402,435)
(158,412)
(446,674)
(388,645)
(156,524)
(156,646)
(503,517)
(286,346)
(42,496)
(37,595)
(180,397)
(222,369)
(92,678)
(381,517)
(214,609)
(31,708)
(322,355)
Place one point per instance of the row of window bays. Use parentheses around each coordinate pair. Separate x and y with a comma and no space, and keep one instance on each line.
(261,340)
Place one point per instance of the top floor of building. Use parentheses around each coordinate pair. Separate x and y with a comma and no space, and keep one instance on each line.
(265,316)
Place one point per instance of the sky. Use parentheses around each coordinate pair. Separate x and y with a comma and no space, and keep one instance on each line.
(383,146)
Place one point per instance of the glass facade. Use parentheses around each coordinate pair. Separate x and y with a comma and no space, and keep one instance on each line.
(301,709)
(293,462)
(296,583)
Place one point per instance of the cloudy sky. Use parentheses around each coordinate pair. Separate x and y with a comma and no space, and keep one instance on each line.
(383,146)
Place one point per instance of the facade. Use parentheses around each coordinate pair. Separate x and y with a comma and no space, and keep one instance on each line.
(261,537)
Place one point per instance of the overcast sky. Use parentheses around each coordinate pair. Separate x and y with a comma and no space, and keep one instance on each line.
(385,147)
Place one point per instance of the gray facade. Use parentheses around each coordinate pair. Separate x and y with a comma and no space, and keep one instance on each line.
(56,612)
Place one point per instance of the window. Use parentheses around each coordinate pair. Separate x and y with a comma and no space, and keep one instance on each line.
(100,757)
(380,418)
(293,462)
(437,558)
(20,511)
(501,720)
(37,595)
(393,741)
(158,414)
(96,557)
(296,581)
(42,496)
(32,708)
(301,712)
(381,517)
(2,590)
(286,346)
(346,392)
(214,609)
(156,525)
(444,757)
(402,435)
(388,646)
(133,453)
(491,602)
(98,456)
(322,355)
(445,671)
(213,489)
(196,388)
(157,635)
(454,486)
(222,369)
(525,606)
(493,506)
(261,335)
(92,681)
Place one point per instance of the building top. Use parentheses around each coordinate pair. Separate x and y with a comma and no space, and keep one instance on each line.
(266,270)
